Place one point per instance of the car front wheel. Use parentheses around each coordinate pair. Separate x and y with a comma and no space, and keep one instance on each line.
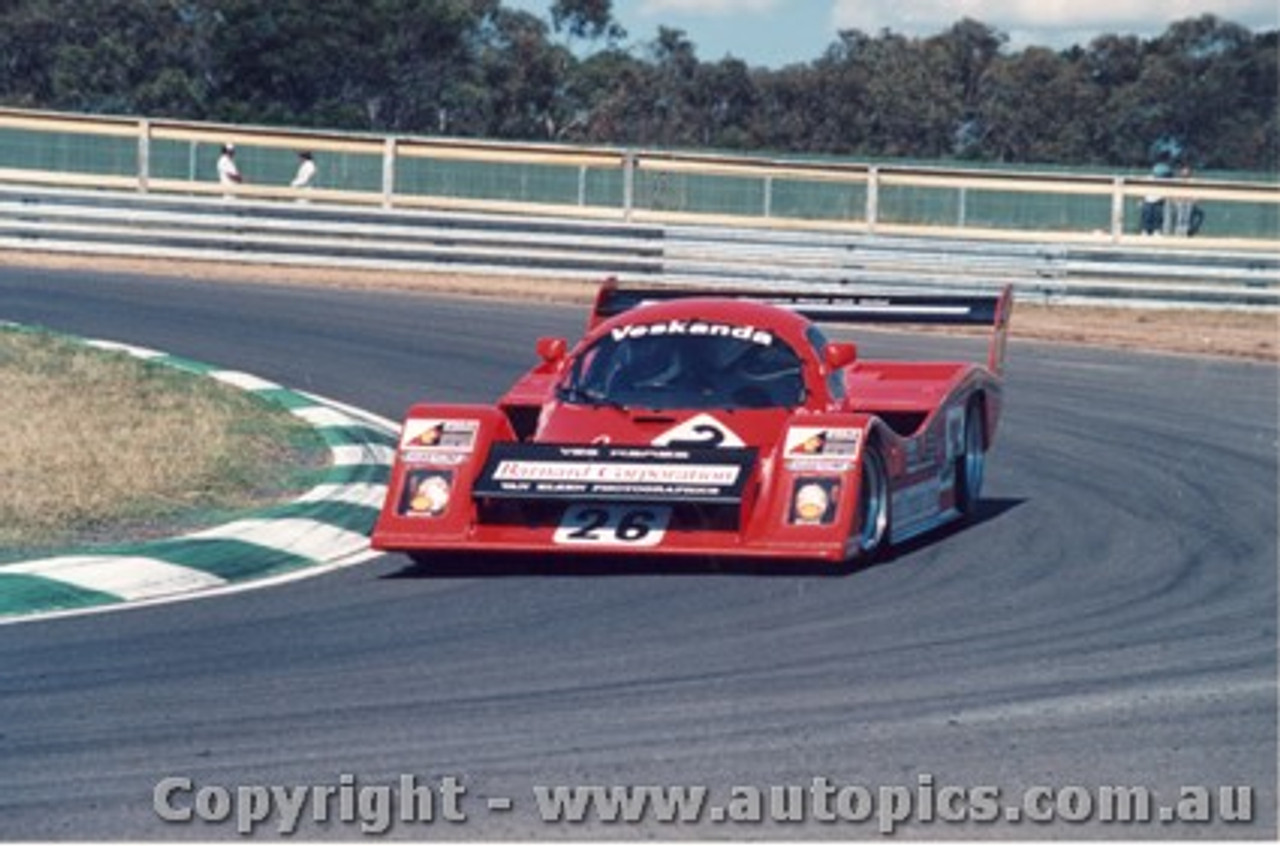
(873,506)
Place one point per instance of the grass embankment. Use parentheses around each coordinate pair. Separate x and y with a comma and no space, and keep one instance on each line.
(100,447)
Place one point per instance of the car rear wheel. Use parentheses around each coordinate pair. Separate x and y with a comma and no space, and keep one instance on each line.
(873,506)
(971,464)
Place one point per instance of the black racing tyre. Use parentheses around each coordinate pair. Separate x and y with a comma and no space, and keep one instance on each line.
(872,536)
(972,462)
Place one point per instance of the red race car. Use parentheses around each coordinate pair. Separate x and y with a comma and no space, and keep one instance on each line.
(707,423)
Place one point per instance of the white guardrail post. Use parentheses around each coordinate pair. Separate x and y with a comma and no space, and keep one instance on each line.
(873,197)
(388,172)
(1117,209)
(144,155)
(628,184)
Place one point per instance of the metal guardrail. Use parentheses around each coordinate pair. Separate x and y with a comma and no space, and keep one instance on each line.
(1177,272)
(1046,271)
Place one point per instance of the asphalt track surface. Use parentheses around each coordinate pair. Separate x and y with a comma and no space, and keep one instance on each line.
(1110,620)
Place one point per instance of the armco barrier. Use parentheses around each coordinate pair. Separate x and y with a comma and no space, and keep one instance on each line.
(1082,269)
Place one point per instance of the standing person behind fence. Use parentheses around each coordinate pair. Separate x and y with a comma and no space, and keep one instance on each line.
(1153,216)
(1187,216)
(306,171)
(228,173)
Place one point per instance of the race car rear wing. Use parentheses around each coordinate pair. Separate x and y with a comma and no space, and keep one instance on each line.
(954,309)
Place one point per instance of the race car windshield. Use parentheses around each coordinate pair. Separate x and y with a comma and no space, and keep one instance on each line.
(663,371)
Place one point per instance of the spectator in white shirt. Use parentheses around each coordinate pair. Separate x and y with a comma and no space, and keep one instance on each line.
(306,171)
(228,173)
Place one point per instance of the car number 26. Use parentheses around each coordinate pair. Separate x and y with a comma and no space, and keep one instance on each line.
(613,524)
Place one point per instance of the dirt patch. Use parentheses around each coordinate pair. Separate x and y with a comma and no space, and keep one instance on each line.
(1212,333)
(1235,334)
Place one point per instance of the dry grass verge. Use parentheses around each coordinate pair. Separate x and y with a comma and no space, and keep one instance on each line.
(1235,334)
(101,447)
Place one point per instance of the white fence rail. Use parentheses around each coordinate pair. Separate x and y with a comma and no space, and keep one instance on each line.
(1175,272)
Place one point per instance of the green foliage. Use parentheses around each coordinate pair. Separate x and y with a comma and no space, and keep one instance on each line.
(475,68)
(586,19)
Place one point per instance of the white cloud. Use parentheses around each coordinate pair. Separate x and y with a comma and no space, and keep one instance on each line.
(1054,23)
(716,8)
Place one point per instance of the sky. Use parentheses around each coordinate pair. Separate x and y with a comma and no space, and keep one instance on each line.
(774,33)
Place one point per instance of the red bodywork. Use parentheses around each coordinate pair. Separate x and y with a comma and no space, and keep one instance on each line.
(551,470)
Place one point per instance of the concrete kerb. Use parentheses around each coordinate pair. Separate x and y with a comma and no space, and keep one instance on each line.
(325,527)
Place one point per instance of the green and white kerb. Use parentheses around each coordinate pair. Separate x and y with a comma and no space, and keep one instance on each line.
(325,527)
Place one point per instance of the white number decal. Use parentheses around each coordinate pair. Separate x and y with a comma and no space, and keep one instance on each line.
(700,431)
(613,525)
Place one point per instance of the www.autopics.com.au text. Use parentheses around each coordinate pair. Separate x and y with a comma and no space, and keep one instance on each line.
(377,808)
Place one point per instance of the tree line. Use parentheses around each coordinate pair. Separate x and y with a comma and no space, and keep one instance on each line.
(1205,89)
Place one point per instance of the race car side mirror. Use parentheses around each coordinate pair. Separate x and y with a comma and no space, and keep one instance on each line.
(552,350)
(840,355)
